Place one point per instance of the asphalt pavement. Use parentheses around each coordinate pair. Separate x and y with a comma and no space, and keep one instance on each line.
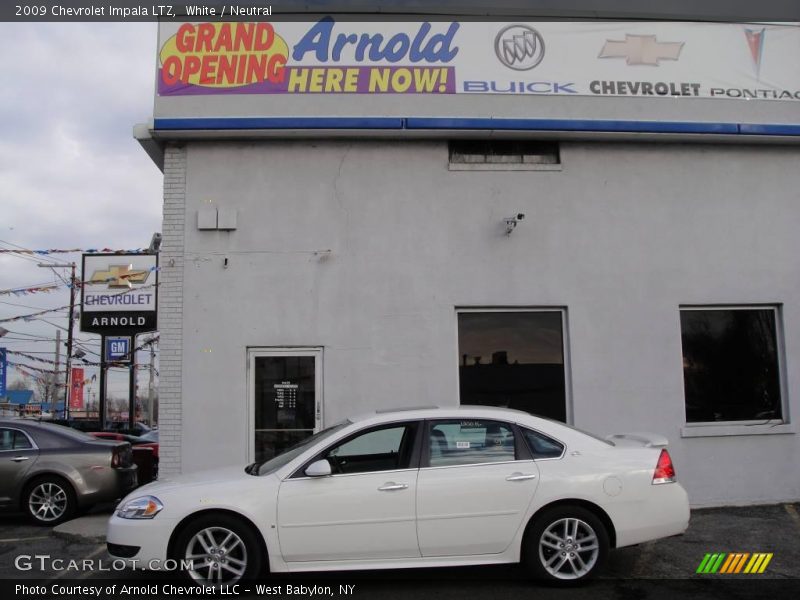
(662,569)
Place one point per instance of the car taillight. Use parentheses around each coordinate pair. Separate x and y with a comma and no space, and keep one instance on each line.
(665,472)
(121,456)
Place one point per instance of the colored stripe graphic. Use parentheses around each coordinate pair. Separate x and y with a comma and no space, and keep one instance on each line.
(734,563)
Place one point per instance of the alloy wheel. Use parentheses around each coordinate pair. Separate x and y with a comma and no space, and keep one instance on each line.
(218,555)
(48,502)
(568,548)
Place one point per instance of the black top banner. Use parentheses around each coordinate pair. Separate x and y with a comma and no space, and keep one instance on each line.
(294,10)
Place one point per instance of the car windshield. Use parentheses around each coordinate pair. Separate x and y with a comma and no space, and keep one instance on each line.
(266,467)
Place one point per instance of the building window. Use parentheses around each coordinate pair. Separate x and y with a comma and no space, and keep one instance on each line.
(504,155)
(513,359)
(731,366)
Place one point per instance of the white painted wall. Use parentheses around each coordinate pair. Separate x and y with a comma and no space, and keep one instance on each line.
(621,237)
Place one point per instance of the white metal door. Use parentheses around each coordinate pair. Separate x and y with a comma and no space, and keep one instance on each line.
(472,509)
(348,517)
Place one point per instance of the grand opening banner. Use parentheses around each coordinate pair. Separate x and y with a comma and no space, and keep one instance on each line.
(622,59)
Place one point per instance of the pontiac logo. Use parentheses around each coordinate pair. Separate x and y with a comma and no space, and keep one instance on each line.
(519,47)
(641,50)
(119,276)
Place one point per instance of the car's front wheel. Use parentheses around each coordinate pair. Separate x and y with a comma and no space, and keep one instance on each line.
(219,549)
(565,544)
(49,500)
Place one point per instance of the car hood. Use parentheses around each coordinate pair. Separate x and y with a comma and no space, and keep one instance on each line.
(233,476)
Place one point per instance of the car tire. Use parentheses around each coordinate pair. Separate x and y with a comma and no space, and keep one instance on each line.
(565,545)
(49,500)
(223,547)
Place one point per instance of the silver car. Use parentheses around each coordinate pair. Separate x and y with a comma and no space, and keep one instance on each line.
(50,471)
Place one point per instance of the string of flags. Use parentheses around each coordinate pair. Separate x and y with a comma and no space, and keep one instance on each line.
(74,251)
(90,363)
(24,291)
(29,367)
(24,371)
(30,290)
(32,316)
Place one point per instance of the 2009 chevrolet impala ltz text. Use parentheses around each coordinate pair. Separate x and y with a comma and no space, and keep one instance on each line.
(414,488)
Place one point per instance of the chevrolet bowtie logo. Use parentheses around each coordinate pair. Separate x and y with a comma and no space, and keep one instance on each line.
(641,50)
(119,276)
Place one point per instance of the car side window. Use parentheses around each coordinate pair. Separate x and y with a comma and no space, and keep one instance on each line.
(380,449)
(21,441)
(6,439)
(542,446)
(12,439)
(470,441)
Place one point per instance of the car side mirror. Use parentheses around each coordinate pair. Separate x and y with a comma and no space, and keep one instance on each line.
(319,468)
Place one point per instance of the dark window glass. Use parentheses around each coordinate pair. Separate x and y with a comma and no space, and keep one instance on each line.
(542,446)
(21,441)
(470,442)
(284,403)
(730,365)
(6,439)
(382,449)
(514,360)
(504,152)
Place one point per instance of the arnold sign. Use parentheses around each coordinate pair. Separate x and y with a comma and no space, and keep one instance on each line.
(632,59)
(119,294)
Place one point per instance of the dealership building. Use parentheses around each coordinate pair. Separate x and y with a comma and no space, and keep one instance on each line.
(596,222)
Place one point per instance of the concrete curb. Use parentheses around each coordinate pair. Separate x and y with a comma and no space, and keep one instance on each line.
(89,528)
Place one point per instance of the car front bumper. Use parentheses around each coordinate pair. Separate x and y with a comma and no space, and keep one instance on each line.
(149,536)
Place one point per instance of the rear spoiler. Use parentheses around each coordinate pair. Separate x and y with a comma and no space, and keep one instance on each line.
(648,440)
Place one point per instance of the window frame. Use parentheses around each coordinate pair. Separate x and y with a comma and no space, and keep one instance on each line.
(32,443)
(521,451)
(414,459)
(565,346)
(500,165)
(547,435)
(750,426)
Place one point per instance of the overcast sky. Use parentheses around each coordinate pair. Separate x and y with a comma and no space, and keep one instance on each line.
(71,174)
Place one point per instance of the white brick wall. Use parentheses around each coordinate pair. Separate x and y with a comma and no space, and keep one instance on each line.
(170,311)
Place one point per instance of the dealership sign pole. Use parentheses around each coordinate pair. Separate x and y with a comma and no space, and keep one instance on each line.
(119,299)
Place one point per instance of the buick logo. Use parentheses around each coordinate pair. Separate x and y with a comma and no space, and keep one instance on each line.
(519,47)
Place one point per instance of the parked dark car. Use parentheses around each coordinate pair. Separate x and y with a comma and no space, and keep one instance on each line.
(90,425)
(50,471)
(147,463)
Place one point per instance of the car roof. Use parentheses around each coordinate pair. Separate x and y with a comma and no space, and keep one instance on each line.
(440,412)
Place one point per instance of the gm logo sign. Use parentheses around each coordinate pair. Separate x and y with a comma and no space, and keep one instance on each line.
(118,349)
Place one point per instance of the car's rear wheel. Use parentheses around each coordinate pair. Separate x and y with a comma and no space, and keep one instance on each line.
(566,544)
(49,500)
(221,548)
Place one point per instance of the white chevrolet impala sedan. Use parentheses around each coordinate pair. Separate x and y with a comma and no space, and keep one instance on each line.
(414,488)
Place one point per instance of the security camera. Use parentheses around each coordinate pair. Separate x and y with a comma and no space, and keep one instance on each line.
(511,222)
(155,244)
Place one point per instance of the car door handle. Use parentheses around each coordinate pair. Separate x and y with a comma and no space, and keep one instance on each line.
(20,458)
(520,477)
(391,486)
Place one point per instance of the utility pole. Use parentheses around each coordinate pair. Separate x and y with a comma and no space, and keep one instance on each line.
(72,286)
(52,385)
(132,387)
(68,381)
(151,386)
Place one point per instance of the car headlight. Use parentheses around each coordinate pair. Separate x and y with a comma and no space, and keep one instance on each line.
(144,507)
